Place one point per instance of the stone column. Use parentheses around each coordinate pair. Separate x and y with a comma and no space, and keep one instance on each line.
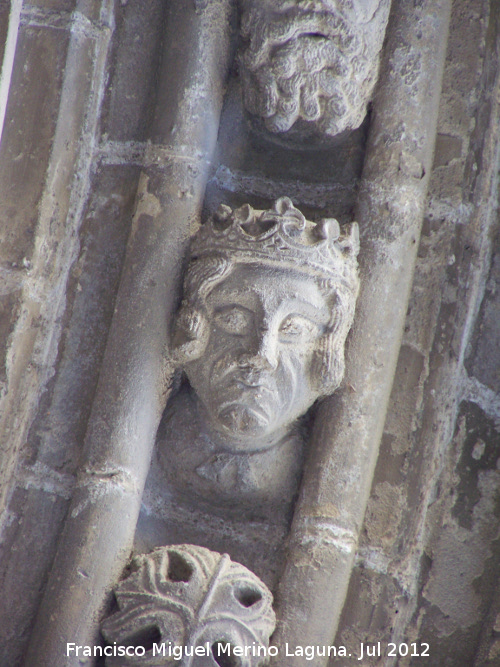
(349,426)
(10,15)
(100,525)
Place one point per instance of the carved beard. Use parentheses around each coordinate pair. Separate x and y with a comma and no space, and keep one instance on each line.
(310,61)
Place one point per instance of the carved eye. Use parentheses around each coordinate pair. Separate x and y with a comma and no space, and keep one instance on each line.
(295,328)
(234,320)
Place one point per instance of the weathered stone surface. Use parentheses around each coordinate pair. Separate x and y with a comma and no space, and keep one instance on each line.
(129,104)
(463,551)
(27,138)
(314,63)
(116,456)
(440,489)
(91,295)
(428,558)
(256,542)
(53,5)
(484,358)
(5,12)
(29,536)
(185,597)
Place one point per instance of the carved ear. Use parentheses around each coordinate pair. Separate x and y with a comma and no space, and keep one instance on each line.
(190,336)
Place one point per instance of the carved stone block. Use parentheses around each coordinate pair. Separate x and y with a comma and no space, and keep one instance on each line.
(182,598)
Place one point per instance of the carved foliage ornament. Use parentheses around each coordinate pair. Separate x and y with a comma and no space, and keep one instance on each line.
(182,597)
(311,60)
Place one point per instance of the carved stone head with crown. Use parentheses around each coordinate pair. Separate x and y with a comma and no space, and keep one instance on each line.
(311,64)
(268,301)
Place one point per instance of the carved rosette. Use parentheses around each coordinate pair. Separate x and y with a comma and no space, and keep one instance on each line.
(184,597)
(312,61)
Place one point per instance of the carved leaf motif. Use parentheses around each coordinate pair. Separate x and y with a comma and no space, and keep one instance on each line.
(187,596)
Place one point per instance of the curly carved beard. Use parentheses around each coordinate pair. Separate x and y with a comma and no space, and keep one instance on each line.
(307,60)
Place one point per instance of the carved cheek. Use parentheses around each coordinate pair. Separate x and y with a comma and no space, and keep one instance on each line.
(295,365)
(221,358)
(218,365)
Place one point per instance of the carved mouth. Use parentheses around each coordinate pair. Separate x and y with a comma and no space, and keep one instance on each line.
(252,384)
(242,418)
(254,397)
(251,379)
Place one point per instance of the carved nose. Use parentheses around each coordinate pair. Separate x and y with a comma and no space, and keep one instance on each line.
(265,356)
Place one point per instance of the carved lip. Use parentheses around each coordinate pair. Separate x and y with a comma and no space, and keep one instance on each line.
(253,397)
(252,383)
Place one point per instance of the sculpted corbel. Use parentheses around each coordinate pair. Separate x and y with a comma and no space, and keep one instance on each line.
(268,301)
(311,64)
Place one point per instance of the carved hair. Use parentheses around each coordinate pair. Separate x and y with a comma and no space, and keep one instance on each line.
(310,61)
(191,325)
(329,358)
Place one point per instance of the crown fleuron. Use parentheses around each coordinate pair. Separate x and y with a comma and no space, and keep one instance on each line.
(281,236)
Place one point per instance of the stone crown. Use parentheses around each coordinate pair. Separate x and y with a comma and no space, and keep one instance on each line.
(281,236)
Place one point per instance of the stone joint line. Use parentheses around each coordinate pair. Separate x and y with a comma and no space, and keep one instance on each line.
(74,22)
(144,154)
(41,477)
(118,477)
(308,193)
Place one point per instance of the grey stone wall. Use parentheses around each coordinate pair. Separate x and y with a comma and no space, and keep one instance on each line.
(79,106)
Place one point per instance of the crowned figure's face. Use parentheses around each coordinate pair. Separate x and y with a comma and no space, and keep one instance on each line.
(268,300)
(255,376)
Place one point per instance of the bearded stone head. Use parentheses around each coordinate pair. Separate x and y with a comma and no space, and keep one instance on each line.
(268,301)
(311,62)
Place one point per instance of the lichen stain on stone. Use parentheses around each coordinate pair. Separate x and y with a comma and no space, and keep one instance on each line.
(408,63)
(409,165)
(383,515)
(459,559)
